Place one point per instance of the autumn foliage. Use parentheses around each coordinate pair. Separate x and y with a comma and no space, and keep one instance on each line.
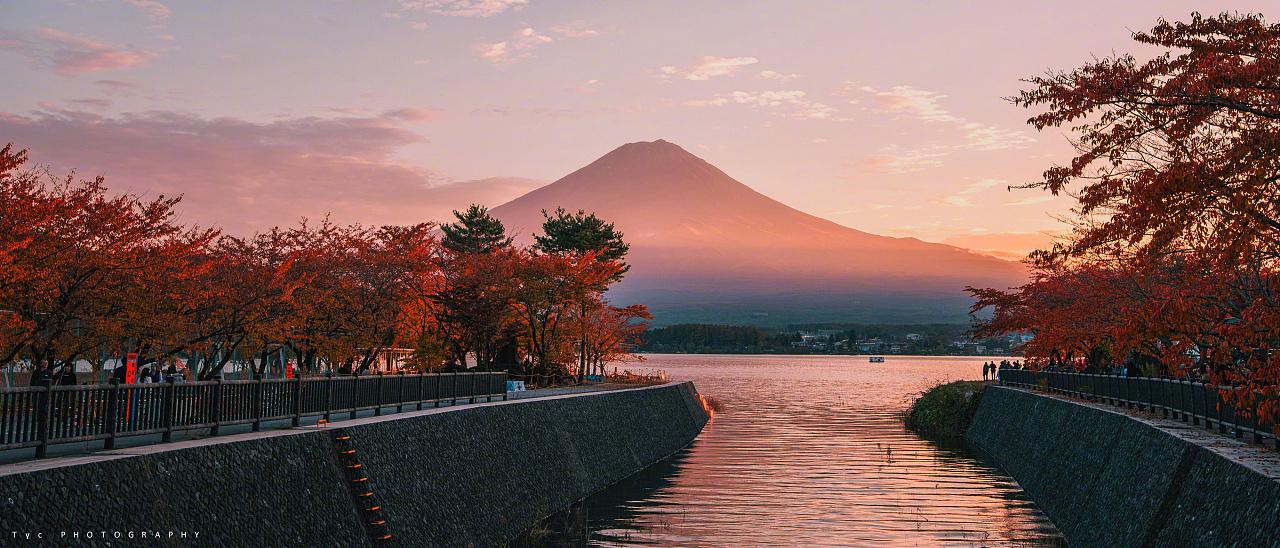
(1172,263)
(88,276)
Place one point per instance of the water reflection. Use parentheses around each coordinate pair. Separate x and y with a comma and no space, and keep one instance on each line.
(810,451)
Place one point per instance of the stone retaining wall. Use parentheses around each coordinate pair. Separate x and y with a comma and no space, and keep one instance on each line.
(1109,479)
(477,475)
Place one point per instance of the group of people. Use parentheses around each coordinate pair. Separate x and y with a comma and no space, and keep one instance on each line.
(991,370)
(62,375)
(148,373)
(65,375)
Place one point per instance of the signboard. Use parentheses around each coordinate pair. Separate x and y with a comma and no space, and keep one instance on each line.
(130,377)
(288,370)
(130,368)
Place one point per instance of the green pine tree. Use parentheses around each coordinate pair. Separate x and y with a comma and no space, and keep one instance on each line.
(474,232)
(565,232)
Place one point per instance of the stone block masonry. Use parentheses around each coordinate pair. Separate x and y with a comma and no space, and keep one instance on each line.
(472,475)
(1106,478)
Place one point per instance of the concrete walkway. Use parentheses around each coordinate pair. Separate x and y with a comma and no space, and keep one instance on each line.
(72,450)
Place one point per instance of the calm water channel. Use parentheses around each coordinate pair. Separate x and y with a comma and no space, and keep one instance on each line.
(809,451)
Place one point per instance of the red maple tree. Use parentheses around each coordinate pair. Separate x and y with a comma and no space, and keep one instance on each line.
(1171,265)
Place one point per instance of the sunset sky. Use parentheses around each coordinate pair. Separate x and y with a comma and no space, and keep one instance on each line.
(882,116)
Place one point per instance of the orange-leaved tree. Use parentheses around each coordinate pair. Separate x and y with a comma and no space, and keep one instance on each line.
(1174,254)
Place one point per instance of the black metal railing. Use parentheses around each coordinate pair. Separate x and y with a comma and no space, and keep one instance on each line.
(1191,402)
(40,416)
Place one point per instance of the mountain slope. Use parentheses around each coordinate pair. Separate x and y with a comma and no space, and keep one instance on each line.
(706,247)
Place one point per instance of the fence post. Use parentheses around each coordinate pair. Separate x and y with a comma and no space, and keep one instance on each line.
(1196,412)
(169,410)
(44,403)
(400,393)
(1164,397)
(422,389)
(297,400)
(1222,423)
(257,403)
(1235,420)
(328,394)
(355,393)
(377,396)
(1257,423)
(113,406)
(1182,408)
(436,382)
(453,388)
(216,416)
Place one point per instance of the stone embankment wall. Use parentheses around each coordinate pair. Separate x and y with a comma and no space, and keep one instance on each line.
(1109,479)
(476,475)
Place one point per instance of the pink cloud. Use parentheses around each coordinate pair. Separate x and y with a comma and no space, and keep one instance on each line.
(576,29)
(93,103)
(247,176)
(70,55)
(517,47)
(153,8)
(893,160)
(926,106)
(709,67)
(912,102)
(791,103)
(463,8)
(413,114)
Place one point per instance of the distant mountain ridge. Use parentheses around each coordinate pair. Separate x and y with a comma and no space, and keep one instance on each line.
(705,247)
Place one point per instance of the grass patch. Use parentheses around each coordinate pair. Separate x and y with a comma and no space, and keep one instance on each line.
(945,410)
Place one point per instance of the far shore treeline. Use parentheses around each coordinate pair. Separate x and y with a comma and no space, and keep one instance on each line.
(835,339)
(1173,264)
(89,276)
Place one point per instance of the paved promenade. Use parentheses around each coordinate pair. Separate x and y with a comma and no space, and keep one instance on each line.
(62,451)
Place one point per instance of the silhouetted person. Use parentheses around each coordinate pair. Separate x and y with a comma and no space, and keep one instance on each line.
(117,374)
(67,375)
(40,376)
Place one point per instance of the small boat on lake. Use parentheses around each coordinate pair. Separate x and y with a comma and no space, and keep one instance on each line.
(876,359)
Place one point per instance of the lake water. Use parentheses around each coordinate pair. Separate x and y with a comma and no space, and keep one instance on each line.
(809,451)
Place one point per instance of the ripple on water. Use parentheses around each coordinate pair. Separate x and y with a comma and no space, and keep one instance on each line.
(809,451)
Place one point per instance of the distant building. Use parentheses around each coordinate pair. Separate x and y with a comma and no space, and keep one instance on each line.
(870,345)
(914,337)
